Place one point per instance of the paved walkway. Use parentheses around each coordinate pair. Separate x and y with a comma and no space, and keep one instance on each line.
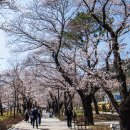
(46,124)
(54,124)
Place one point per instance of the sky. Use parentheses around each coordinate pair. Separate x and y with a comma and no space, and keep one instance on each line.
(5,56)
(4,51)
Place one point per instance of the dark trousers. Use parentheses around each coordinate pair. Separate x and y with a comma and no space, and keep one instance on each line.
(35,119)
(31,118)
(39,120)
(69,121)
(26,117)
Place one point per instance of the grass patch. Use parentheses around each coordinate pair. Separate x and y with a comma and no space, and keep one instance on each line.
(7,121)
(105,117)
(99,127)
(98,118)
(5,116)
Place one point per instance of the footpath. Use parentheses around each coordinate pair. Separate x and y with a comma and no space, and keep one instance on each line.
(55,124)
(46,124)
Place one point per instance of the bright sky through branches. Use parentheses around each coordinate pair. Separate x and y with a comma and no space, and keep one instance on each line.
(4,51)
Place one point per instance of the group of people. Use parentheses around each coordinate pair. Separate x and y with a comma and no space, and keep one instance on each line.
(51,113)
(34,115)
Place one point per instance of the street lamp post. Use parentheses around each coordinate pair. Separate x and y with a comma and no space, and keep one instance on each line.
(58,104)
(14,102)
(14,84)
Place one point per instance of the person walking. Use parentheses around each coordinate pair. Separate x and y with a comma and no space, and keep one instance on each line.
(26,115)
(39,116)
(31,116)
(35,116)
(69,116)
(51,113)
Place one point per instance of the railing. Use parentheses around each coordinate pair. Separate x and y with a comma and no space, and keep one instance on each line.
(115,126)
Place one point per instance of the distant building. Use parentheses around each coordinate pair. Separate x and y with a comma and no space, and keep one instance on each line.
(116,93)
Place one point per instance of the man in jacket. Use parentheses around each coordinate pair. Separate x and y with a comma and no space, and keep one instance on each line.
(35,116)
(69,115)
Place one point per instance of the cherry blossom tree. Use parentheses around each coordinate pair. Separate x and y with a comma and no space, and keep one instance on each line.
(47,76)
(49,23)
(42,27)
(114,16)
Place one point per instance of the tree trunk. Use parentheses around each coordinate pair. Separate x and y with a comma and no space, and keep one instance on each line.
(17,105)
(86,101)
(113,100)
(95,105)
(65,102)
(70,103)
(124,114)
(118,66)
(10,110)
(1,109)
(124,108)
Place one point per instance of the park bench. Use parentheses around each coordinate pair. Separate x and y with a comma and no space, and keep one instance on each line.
(80,123)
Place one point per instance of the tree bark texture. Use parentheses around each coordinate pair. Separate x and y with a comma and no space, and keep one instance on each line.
(95,105)
(87,101)
(124,114)
(1,109)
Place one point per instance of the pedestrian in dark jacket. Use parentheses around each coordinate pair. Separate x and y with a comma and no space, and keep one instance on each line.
(31,116)
(35,116)
(69,116)
(39,116)
(51,113)
(26,115)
